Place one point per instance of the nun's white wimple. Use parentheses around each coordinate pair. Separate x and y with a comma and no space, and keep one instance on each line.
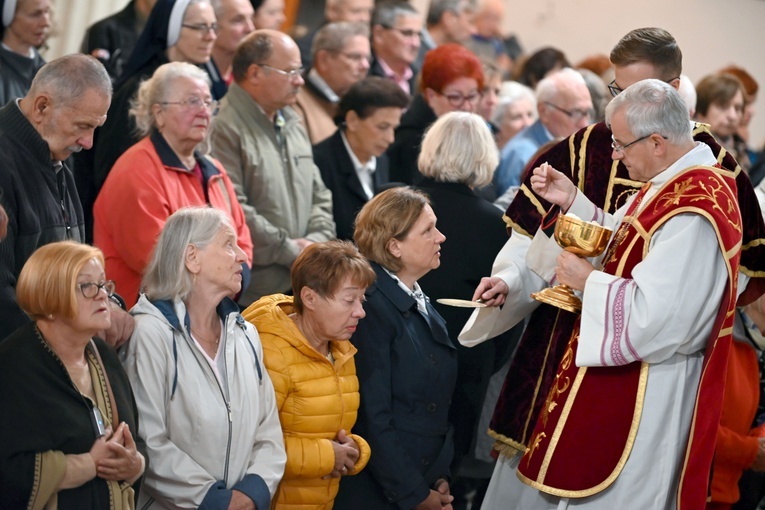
(9,12)
(176,20)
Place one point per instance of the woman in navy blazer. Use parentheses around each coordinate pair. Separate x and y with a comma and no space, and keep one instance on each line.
(368,115)
(406,364)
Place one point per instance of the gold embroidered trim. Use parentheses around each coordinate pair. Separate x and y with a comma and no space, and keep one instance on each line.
(533,199)
(639,403)
(561,423)
(506,446)
(582,155)
(539,380)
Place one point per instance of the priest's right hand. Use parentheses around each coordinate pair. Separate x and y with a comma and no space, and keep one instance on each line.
(492,291)
(553,186)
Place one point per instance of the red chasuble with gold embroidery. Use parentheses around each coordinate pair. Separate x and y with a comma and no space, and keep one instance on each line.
(588,423)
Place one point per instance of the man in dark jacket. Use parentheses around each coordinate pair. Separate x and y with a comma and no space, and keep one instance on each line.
(112,39)
(67,101)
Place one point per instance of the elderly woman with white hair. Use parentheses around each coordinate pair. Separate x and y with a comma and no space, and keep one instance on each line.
(24,27)
(176,31)
(516,110)
(458,154)
(162,173)
(207,405)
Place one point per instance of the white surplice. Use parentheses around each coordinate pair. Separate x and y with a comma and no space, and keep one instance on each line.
(669,307)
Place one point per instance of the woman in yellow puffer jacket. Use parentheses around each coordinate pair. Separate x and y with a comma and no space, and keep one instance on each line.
(310,361)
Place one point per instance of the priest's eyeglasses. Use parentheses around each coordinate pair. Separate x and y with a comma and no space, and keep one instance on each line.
(90,289)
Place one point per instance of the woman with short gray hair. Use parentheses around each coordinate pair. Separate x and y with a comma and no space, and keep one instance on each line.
(517,109)
(162,173)
(207,405)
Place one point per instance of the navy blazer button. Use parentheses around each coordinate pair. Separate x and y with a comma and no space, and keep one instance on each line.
(432,359)
(406,314)
(431,407)
(425,461)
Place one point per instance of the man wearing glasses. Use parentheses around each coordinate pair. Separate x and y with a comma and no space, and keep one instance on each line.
(588,159)
(265,149)
(396,28)
(340,58)
(564,106)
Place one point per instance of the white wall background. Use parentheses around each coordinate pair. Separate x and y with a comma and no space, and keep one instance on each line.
(711,33)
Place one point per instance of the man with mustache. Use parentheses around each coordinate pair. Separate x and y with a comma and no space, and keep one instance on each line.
(67,101)
(266,151)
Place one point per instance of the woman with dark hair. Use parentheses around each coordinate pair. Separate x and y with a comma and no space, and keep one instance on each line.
(352,162)
(720,103)
(539,64)
(407,365)
(268,14)
(68,421)
(451,80)
(25,25)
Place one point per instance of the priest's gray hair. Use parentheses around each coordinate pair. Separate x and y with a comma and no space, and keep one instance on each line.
(166,275)
(158,89)
(652,106)
(69,78)
(459,147)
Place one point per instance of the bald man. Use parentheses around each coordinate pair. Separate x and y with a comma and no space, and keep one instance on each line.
(259,139)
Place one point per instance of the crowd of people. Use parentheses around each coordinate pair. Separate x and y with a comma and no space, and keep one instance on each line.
(223,251)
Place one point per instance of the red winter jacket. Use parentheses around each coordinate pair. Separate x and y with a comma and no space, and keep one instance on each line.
(146,185)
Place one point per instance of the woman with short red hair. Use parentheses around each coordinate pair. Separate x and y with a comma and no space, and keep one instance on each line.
(451,80)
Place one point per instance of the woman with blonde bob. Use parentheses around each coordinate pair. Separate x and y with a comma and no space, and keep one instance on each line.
(162,173)
(459,154)
(207,403)
(407,365)
(67,415)
(311,362)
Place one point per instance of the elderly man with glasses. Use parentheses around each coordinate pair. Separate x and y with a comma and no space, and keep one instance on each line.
(265,149)
(564,106)
(396,30)
(587,158)
(341,57)
(642,381)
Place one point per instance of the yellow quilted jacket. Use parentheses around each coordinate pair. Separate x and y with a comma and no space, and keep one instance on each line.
(315,400)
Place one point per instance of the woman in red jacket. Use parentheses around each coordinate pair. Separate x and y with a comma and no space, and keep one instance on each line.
(162,173)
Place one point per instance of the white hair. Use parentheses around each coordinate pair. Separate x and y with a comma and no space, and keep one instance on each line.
(459,147)
(509,93)
(688,93)
(549,86)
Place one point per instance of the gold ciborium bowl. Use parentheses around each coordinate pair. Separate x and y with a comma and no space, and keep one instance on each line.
(583,239)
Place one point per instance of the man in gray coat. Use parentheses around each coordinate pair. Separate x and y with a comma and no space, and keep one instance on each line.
(266,151)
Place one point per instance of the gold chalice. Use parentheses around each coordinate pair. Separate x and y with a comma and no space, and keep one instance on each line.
(581,238)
